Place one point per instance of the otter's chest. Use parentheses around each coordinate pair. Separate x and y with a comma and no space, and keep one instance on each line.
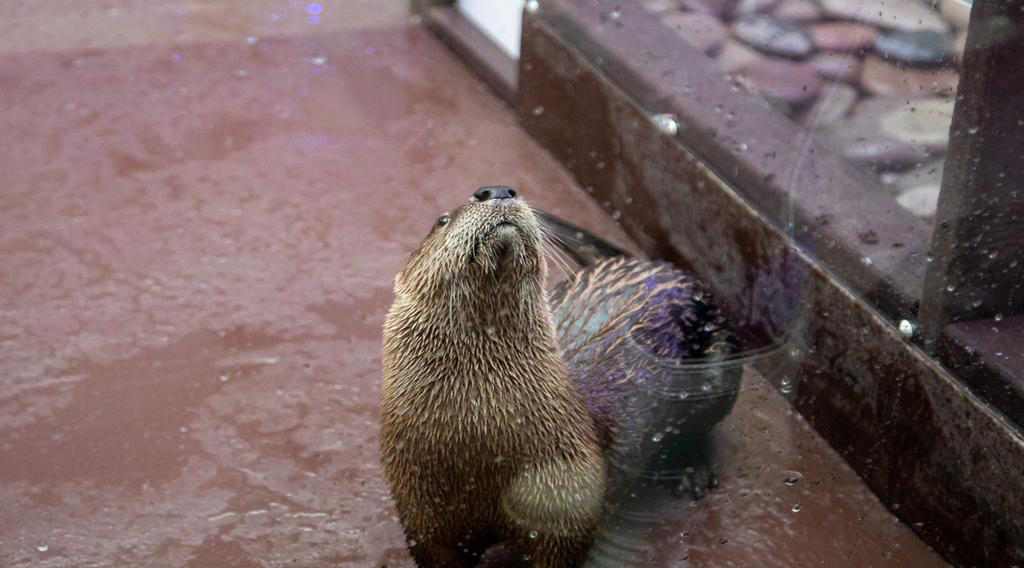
(486,423)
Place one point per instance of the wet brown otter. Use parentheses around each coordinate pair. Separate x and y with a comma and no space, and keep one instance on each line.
(483,435)
(486,434)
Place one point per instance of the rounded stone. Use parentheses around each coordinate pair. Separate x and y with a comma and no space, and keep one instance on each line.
(698,29)
(922,122)
(748,7)
(880,153)
(717,8)
(735,55)
(786,81)
(925,47)
(958,12)
(660,6)
(880,77)
(922,200)
(959,45)
(929,173)
(837,66)
(773,36)
(860,139)
(798,11)
(833,104)
(908,15)
(843,36)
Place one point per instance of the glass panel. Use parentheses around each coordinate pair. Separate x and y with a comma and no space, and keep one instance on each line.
(874,80)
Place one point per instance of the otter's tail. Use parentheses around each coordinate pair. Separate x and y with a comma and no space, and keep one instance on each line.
(583,247)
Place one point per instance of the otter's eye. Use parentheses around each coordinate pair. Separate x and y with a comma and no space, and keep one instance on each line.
(443,220)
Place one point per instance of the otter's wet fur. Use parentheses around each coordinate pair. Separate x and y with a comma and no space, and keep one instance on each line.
(486,434)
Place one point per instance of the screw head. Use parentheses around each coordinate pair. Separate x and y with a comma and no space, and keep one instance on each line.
(907,329)
(532,6)
(666,122)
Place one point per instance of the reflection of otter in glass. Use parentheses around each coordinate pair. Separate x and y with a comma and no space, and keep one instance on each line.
(509,417)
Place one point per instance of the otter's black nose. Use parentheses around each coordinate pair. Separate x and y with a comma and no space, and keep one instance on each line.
(494,192)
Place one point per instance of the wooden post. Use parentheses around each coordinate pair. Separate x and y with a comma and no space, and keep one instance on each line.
(977,268)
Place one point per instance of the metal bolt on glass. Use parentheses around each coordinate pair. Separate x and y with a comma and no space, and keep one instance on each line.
(907,329)
(666,122)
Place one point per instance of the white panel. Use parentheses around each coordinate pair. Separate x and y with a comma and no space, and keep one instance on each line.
(500,20)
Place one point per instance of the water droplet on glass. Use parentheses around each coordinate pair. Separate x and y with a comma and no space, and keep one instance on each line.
(792,477)
(532,534)
(412,542)
(241,73)
(951,287)
(998,317)
(657,437)
(319,60)
(743,147)
(972,130)
(786,385)
(796,507)
(223,377)
(538,110)
(251,40)
(706,387)
(684,395)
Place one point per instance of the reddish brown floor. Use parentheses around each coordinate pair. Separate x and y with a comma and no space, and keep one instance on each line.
(196,251)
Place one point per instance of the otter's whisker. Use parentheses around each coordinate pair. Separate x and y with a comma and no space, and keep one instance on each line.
(551,250)
(559,259)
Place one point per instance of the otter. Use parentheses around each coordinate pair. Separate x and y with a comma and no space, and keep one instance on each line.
(508,416)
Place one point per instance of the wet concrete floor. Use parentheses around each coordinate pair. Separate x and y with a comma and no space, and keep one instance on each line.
(197,241)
